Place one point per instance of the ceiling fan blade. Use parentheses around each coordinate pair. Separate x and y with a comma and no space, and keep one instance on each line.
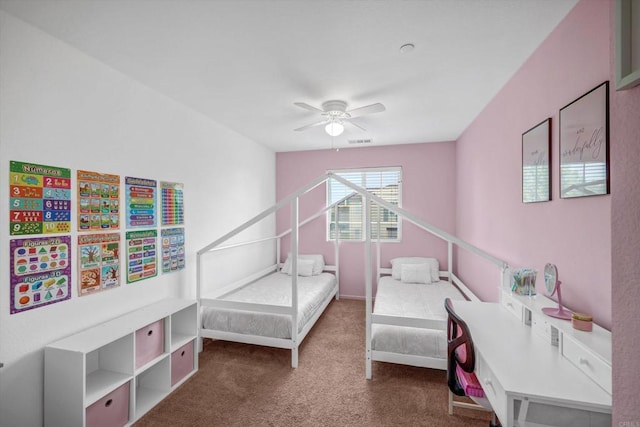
(367,109)
(323,122)
(355,124)
(307,107)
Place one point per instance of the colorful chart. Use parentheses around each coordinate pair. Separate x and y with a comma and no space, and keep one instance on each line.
(141,202)
(98,262)
(40,199)
(40,272)
(172,203)
(172,249)
(141,255)
(98,201)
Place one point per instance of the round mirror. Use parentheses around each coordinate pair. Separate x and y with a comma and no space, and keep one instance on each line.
(550,278)
(552,285)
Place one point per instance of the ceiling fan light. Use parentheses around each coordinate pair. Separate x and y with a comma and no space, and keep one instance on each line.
(334,128)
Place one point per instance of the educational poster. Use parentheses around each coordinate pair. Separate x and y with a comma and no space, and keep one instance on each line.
(172,249)
(98,262)
(172,203)
(98,201)
(40,272)
(40,199)
(141,255)
(141,202)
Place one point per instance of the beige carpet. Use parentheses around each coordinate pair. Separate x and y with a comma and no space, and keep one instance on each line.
(247,385)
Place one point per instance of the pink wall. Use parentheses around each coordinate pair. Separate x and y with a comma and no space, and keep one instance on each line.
(625,235)
(575,234)
(428,172)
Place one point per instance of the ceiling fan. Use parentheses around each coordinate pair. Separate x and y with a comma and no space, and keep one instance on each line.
(335,115)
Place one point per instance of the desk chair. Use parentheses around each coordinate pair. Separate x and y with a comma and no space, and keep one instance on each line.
(461,361)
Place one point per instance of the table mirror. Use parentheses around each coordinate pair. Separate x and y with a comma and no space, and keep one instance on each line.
(552,286)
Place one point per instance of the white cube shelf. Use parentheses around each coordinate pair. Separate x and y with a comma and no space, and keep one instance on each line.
(87,367)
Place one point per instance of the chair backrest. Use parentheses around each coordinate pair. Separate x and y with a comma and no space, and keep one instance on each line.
(460,350)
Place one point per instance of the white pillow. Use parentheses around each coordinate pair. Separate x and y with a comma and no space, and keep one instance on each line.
(396,266)
(318,263)
(305,267)
(415,273)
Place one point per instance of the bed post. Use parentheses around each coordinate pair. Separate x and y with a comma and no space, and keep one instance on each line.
(199,320)
(367,275)
(336,250)
(450,260)
(294,282)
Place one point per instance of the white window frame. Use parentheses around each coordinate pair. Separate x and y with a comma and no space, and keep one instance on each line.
(363,237)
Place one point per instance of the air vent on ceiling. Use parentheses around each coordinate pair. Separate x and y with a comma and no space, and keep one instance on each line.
(360,141)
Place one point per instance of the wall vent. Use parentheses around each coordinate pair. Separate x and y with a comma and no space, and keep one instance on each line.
(360,141)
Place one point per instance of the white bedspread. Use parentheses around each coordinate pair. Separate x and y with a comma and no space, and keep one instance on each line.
(424,301)
(274,289)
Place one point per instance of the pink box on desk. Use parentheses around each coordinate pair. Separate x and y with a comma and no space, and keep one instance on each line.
(181,362)
(110,411)
(149,343)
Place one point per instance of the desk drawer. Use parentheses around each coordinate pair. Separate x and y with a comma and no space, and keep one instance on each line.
(512,305)
(493,390)
(594,367)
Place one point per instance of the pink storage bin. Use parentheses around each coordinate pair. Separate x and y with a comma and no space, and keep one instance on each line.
(149,343)
(110,411)
(181,363)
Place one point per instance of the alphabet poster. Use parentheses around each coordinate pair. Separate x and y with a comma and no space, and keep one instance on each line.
(98,262)
(40,272)
(141,255)
(141,202)
(98,201)
(172,203)
(172,249)
(40,199)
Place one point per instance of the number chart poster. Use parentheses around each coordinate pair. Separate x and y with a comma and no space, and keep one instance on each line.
(98,201)
(172,203)
(141,202)
(141,255)
(40,272)
(172,249)
(99,262)
(40,199)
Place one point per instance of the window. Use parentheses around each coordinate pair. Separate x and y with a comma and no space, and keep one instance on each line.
(385,183)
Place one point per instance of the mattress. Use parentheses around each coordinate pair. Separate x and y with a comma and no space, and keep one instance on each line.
(423,301)
(274,289)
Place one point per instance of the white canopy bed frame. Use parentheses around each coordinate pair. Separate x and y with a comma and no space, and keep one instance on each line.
(218,298)
(385,319)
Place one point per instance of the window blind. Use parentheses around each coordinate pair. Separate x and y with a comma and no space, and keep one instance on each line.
(384,183)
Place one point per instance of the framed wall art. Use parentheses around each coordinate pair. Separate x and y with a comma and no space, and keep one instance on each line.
(627,28)
(584,145)
(536,148)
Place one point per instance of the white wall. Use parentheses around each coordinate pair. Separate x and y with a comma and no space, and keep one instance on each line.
(61,108)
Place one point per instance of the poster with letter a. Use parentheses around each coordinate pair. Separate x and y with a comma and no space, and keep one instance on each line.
(40,199)
(141,202)
(98,201)
(141,255)
(40,272)
(98,262)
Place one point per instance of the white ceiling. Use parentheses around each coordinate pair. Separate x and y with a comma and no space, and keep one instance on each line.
(244,63)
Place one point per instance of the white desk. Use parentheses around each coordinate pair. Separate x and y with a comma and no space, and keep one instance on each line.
(527,380)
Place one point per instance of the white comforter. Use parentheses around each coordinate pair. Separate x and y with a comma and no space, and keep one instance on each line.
(424,301)
(274,289)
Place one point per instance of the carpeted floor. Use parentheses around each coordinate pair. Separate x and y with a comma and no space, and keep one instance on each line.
(246,385)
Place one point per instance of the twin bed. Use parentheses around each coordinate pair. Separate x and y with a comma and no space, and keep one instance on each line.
(264,311)
(408,321)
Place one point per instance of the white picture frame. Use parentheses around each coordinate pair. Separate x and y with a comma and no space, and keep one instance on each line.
(627,28)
